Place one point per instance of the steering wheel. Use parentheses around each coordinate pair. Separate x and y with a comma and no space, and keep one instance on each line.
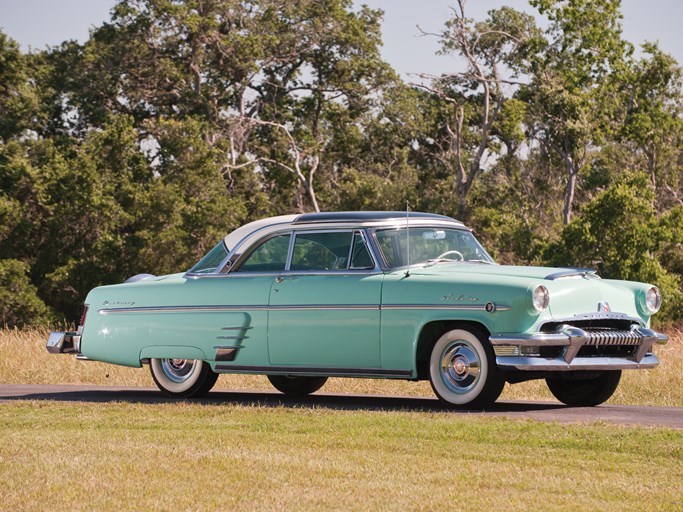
(449,253)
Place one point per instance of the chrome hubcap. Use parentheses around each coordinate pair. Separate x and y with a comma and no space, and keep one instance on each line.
(460,367)
(177,370)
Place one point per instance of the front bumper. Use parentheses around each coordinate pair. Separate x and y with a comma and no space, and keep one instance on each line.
(64,343)
(517,351)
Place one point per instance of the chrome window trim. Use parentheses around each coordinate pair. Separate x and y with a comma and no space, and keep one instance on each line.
(320,273)
(385,266)
(297,232)
(287,224)
(375,267)
(234,267)
(350,254)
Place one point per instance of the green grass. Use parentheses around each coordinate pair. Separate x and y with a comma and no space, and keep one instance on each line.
(183,456)
(197,457)
(63,456)
(24,360)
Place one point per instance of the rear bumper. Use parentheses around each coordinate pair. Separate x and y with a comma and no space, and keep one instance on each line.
(63,343)
(519,351)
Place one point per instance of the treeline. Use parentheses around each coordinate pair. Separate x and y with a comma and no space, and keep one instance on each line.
(179,120)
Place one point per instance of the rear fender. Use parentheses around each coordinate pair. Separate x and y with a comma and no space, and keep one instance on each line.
(173,352)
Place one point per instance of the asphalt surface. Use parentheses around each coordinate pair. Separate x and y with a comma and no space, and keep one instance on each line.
(671,417)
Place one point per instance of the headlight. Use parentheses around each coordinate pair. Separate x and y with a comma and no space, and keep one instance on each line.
(653,300)
(541,298)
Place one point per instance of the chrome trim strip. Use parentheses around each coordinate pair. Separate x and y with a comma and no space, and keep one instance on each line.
(301,370)
(236,328)
(326,307)
(596,316)
(444,307)
(272,273)
(579,363)
(182,309)
(301,307)
(232,337)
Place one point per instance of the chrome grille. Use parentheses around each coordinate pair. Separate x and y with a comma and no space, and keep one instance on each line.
(609,337)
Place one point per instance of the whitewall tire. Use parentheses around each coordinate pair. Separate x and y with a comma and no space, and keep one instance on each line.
(182,378)
(463,371)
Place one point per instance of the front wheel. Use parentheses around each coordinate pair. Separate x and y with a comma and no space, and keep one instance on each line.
(463,371)
(182,378)
(578,392)
(296,386)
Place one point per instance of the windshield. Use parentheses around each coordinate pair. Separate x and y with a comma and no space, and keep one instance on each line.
(213,258)
(430,246)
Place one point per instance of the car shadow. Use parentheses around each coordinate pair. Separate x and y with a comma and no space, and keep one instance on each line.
(274,399)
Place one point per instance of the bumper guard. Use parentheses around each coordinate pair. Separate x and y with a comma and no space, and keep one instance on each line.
(64,343)
(509,355)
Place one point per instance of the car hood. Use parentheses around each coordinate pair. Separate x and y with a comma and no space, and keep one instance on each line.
(455,268)
(573,292)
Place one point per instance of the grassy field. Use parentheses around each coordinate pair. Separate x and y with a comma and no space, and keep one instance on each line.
(62,456)
(190,456)
(24,360)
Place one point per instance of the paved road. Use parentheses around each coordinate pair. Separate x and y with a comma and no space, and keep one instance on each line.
(671,417)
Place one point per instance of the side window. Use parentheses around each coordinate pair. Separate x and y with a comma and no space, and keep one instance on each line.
(321,251)
(389,243)
(360,256)
(270,256)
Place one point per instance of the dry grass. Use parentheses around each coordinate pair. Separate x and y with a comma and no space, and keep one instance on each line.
(117,457)
(185,456)
(24,360)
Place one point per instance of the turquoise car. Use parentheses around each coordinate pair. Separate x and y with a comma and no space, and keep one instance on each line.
(393,295)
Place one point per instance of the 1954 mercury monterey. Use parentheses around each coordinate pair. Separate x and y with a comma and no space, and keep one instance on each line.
(301,298)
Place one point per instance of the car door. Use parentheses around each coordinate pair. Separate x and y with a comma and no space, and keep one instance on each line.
(324,308)
(243,341)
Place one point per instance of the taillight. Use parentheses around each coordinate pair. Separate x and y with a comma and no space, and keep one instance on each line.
(81,322)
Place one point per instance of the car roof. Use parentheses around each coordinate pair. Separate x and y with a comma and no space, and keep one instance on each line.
(348,220)
(365,216)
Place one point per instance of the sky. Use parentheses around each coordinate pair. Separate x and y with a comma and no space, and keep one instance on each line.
(37,24)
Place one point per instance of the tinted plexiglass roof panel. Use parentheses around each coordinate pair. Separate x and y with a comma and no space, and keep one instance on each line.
(364,216)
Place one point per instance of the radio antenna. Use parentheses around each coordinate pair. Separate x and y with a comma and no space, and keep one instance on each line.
(407,239)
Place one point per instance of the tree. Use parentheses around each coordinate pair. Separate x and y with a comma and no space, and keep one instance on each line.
(653,122)
(572,82)
(19,301)
(18,101)
(495,53)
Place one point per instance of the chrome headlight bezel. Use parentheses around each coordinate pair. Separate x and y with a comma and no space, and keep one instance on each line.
(540,298)
(652,301)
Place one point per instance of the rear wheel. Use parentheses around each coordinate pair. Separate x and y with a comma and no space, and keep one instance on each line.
(182,378)
(463,371)
(296,386)
(578,392)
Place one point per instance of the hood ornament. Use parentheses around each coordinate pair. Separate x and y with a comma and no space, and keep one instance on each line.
(603,307)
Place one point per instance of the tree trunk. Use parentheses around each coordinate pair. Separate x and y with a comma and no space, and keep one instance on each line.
(569,196)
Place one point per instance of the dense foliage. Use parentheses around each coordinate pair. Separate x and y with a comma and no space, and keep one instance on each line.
(178,120)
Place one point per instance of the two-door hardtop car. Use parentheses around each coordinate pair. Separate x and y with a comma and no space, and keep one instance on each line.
(397,295)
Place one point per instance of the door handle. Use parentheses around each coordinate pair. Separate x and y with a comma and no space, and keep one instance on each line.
(279,279)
